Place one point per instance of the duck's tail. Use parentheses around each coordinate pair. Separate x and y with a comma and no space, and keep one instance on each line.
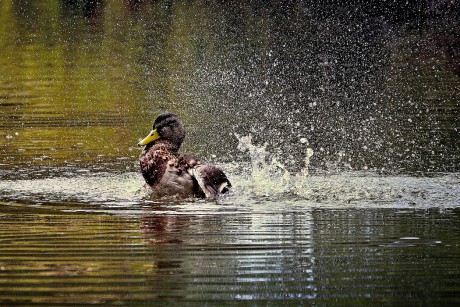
(211,179)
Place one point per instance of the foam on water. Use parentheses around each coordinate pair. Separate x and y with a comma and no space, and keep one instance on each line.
(344,189)
(122,188)
(261,184)
(268,188)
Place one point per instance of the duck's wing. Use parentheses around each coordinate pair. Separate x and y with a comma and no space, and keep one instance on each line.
(211,179)
(178,182)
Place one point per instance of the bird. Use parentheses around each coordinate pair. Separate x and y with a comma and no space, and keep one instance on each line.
(170,173)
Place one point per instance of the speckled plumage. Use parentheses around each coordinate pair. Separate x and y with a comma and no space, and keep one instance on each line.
(168,173)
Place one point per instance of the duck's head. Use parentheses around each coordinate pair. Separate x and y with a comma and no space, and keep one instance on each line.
(167,127)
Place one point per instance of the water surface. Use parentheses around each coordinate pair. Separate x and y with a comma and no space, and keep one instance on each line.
(371,217)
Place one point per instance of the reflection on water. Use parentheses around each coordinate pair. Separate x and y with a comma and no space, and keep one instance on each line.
(329,256)
(365,88)
(353,193)
(348,238)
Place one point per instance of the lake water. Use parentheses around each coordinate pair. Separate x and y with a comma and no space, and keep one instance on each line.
(355,109)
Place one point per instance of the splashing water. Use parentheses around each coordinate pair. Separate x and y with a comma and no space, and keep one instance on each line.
(301,177)
(260,183)
(344,189)
(269,178)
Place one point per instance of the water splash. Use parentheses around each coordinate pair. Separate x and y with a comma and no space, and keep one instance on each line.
(269,178)
(263,183)
(301,177)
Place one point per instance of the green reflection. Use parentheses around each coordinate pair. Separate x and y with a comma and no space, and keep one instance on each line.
(280,73)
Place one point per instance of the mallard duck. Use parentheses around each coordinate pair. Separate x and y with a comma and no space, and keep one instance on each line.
(169,173)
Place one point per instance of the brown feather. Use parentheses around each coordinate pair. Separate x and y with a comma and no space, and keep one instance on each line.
(169,173)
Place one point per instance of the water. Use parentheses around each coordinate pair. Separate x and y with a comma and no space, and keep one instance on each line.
(263,251)
(337,127)
(99,238)
(348,238)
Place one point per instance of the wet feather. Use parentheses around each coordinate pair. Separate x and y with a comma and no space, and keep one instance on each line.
(168,173)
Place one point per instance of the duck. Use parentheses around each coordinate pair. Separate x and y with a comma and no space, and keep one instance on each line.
(169,173)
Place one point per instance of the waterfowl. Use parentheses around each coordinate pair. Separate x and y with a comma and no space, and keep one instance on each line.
(169,173)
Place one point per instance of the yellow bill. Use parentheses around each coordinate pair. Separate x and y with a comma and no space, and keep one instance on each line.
(153,135)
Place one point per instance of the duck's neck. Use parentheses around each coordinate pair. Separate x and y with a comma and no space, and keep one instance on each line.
(172,148)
